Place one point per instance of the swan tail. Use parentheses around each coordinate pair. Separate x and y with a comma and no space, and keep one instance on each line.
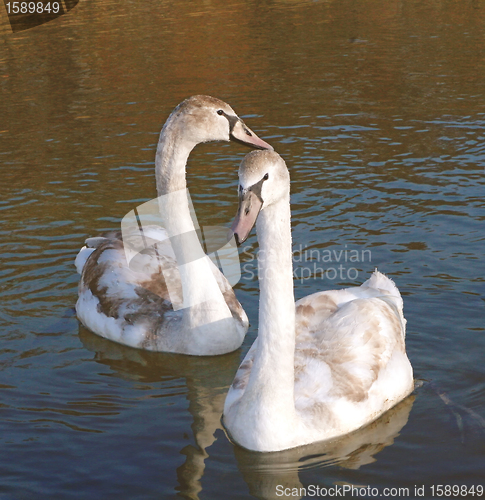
(90,246)
(82,257)
(381,282)
(95,241)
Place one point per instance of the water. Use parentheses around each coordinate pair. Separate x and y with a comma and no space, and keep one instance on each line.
(378,109)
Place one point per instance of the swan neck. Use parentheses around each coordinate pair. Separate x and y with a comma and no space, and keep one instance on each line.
(203,302)
(173,151)
(272,376)
(277,302)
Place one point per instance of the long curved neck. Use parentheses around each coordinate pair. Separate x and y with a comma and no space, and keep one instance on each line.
(173,150)
(198,283)
(170,162)
(272,378)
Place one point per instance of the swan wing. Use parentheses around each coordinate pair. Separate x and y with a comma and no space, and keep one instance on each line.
(241,379)
(350,353)
(124,304)
(132,303)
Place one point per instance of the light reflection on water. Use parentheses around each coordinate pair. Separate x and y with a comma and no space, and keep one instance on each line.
(375,106)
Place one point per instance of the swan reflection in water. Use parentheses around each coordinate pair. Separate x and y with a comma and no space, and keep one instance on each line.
(207,380)
(263,472)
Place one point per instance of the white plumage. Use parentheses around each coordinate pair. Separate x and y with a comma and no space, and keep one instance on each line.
(324,367)
(133,305)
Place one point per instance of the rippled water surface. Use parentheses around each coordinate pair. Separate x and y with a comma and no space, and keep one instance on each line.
(378,109)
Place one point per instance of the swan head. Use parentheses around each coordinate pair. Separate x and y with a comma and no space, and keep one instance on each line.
(203,118)
(264,180)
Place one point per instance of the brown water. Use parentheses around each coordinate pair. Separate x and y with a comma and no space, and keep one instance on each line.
(378,109)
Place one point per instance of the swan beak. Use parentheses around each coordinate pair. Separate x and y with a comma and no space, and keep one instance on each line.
(241,133)
(250,204)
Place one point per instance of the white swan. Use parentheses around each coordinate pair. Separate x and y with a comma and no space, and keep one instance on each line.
(324,368)
(135,308)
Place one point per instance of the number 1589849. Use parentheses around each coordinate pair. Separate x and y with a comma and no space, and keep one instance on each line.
(33,7)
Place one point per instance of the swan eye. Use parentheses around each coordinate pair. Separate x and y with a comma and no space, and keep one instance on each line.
(220,112)
(266,177)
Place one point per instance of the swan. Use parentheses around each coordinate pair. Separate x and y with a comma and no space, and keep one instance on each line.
(135,307)
(323,367)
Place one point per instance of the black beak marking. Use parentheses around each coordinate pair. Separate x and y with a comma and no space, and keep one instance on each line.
(256,189)
(232,121)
